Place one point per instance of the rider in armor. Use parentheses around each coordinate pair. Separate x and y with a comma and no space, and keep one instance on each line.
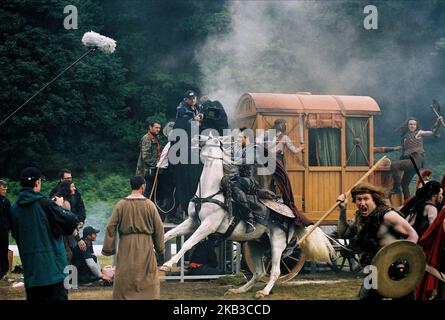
(243,185)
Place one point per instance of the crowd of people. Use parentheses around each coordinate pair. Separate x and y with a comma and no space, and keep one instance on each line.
(47,229)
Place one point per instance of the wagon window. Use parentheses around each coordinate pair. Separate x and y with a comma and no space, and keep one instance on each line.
(325,147)
(357,141)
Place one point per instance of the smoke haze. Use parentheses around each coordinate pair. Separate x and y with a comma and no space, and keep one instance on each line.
(323,48)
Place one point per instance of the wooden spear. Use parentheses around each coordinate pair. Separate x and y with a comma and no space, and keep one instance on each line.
(365,176)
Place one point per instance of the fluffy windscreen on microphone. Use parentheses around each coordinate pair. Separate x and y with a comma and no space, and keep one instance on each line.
(104,44)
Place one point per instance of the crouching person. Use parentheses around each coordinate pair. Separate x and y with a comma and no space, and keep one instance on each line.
(88,267)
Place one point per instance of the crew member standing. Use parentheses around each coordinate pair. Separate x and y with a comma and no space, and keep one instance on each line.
(150,152)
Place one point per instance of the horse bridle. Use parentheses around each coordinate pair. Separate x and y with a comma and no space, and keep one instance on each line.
(219,145)
(198,200)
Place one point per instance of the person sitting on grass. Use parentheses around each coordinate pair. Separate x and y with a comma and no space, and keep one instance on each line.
(88,267)
(203,260)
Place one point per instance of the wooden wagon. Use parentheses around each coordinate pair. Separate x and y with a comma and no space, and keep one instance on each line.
(338,135)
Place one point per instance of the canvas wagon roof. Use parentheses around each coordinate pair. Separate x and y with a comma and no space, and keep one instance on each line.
(306,103)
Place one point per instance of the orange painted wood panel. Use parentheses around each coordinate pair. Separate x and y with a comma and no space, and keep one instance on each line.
(297,183)
(323,190)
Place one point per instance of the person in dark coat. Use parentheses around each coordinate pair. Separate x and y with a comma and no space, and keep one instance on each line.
(186,172)
(5,226)
(77,205)
(38,226)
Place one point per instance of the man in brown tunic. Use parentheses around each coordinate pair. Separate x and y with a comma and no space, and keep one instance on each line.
(141,232)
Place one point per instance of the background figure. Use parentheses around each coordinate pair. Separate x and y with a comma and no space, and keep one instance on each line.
(421,210)
(76,202)
(88,267)
(412,145)
(65,190)
(203,260)
(280,184)
(141,232)
(150,152)
(281,140)
(433,245)
(188,116)
(5,226)
(442,204)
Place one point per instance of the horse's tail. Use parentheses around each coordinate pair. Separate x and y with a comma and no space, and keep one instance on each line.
(317,246)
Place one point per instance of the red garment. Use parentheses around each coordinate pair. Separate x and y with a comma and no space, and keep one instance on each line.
(155,138)
(282,180)
(432,242)
(407,200)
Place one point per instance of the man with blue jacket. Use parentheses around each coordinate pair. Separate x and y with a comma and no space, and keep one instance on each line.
(38,225)
(186,173)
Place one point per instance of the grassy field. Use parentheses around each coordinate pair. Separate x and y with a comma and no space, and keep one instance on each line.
(316,286)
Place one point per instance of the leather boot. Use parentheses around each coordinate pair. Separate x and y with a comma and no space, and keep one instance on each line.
(250,223)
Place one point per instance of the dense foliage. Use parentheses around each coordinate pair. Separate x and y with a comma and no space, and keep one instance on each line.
(91,119)
(93,116)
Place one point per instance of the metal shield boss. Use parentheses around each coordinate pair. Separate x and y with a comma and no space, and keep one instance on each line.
(400,267)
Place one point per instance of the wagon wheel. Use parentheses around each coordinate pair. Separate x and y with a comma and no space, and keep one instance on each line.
(345,257)
(290,265)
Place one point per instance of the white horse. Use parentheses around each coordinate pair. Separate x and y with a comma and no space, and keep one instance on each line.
(214,218)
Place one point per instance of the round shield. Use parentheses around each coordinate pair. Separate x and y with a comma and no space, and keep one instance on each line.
(280,208)
(400,267)
(168,128)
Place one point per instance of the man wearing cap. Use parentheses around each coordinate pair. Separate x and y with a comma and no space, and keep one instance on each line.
(188,110)
(5,225)
(38,225)
(188,119)
(150,152)
(141,236)
(88,267)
